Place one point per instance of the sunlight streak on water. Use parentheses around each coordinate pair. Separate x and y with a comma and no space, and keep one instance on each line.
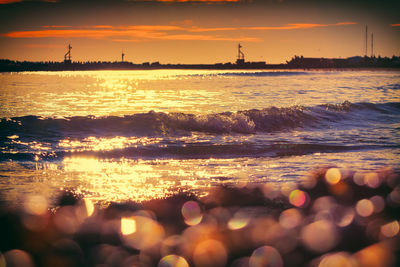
(103,93)
(92,143)
(94,132)
(104,180)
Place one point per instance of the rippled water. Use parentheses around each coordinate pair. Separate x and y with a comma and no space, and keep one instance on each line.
(119,135)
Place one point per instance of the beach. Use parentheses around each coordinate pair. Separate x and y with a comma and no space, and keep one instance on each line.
(200,168)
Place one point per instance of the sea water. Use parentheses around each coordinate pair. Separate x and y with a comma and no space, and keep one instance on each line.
(139,135)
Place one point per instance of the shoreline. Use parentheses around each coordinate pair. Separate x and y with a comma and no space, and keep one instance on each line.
(26,66)
(207,69)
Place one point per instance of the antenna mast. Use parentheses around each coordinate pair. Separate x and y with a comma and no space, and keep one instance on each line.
(240,59)
(122,56)
(366,40)
(372,44)
(67,56)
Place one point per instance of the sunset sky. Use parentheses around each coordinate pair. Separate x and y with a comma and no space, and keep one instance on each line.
(185,31)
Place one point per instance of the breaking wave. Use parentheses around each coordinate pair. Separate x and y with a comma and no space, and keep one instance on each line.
(196,151)
(27,138)
(159,123)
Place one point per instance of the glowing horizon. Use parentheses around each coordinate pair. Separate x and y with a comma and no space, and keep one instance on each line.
(193,32)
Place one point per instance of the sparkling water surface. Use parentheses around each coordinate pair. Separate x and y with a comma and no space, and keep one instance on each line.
(105,93)
(138,135)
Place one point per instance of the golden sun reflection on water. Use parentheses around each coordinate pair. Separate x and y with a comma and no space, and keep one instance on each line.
(93,143)
(117,180)
(104,93)
(122,179)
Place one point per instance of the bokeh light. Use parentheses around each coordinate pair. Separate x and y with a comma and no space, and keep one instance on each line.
(271,190)
(339,259)
(344,216)
(309,181)
(191,212)
(319,236)
(290,218)
(36,205)
(333,176)
(378,202)
(226,233)
(298,198)
(128,226)
(359,178)
(194,235)
(65,219)
(262,229)
(340,189)
(89,207)
(35,223)
(390,229)
(172,245)
(173,261)
(324,203)
(364,207)
(394,196)
(265,256)
(376,255)
(372,180)
(241,262)
(18,258)
(239,220)
(142,234)
(210,253)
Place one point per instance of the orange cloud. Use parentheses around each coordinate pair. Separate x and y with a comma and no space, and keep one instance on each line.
(60,34)
(56,26)
(102,26)
(293,26)
(288,26)
(395,25)
(137,33)
(190,37)
(123,33)
(97,31)
(196,29)
(346,23)
(150,28)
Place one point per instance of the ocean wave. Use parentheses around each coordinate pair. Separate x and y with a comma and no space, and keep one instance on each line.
(270,119)
(196,151)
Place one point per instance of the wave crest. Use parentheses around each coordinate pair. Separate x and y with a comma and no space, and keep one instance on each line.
(159,123)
